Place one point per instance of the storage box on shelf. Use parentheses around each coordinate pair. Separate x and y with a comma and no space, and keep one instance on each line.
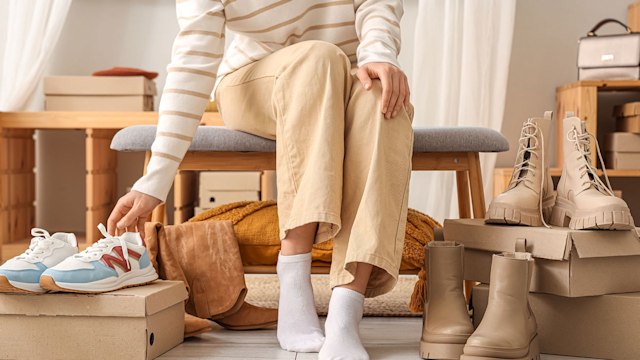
(622,151)
(604,327)
(136,323)
(99,93)
(570,263)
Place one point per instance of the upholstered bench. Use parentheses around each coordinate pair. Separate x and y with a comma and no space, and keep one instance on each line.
(217,148)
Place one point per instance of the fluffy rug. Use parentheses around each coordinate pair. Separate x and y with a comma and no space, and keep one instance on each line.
(264,291)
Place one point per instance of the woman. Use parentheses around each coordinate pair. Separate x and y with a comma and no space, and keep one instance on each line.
(322,78)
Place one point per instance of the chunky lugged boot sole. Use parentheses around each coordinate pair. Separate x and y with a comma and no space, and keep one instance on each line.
(501,213)
(430,350)
(564,214)
(492,354)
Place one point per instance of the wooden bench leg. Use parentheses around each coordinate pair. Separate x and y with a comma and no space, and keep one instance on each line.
(477,190)
(462,184)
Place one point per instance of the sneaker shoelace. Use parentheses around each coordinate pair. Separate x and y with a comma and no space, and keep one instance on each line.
(40,243)
(588,172)
(529,145)
(100,247)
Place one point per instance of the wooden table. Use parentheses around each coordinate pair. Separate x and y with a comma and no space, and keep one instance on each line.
(17,164)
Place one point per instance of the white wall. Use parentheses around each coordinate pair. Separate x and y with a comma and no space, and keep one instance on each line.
(100,34)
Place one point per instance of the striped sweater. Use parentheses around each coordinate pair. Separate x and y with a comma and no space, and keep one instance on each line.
(366,30)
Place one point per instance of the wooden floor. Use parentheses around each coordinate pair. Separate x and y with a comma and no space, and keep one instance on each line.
(384,338)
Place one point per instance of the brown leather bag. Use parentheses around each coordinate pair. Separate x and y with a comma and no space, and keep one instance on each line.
(206,257)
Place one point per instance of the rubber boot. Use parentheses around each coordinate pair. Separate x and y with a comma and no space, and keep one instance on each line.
(584,201)
(508,329)
(446,323)
(530,197)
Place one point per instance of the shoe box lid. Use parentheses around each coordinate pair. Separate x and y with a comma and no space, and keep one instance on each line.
(553,243)
(568,262)
(138,301)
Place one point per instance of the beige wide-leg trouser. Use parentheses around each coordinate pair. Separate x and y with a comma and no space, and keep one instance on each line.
(339,162)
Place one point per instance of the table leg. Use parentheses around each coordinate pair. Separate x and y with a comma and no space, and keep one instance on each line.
(184,196)
(17,184)
(101,179)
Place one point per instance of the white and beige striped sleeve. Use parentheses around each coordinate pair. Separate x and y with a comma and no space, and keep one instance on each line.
(378,28)
(196,55)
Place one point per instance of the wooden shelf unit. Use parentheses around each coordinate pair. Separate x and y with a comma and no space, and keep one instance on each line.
(17,163)
(581,98)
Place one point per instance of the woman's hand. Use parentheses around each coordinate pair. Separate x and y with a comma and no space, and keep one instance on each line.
(395,86)
(131,211)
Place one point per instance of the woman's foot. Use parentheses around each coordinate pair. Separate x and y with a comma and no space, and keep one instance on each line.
(342,327)
(298,324)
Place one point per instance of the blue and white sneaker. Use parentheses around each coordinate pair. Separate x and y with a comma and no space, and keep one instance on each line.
(22,273)
(112,263)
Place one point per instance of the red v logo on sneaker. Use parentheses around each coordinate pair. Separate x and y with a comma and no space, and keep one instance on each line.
(111,260)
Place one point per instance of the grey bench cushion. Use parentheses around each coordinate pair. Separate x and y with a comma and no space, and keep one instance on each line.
(219,138)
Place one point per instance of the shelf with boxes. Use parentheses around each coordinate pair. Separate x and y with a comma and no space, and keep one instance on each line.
(91,109)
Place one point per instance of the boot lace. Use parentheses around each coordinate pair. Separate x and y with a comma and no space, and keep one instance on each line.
(588,172)
(39,245)
(101,247)
(529,146)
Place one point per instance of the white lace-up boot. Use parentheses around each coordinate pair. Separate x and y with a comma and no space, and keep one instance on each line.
(530,196)
(584,201)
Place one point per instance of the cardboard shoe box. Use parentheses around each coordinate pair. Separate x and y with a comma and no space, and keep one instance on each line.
(568,262)
(135,323)
(622,150)
(606,327)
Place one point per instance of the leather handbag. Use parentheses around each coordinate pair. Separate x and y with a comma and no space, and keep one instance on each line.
(609,57)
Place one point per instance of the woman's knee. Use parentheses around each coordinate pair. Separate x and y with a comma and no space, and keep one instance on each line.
(324,54)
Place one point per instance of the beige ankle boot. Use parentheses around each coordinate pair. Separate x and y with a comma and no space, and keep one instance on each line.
(584,201)
(530,196)
(508,329)
(446,322)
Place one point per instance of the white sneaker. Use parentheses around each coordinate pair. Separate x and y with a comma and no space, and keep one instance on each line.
(112,263)
(22,273)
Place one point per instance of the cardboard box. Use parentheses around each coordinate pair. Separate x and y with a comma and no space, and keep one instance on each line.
(622,142)
(622,160)
(210,199)
(230,180)
(627,109)
(99,85)
(628,124)
(98,103)
(568,262)
(604,327)
(136,323)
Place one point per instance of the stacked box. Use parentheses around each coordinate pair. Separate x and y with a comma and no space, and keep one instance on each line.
(223,187)
(622,151)
(628,117)
(99,93)
(572,269)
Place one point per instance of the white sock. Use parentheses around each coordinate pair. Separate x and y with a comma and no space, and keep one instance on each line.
(298,324)
(342,327)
